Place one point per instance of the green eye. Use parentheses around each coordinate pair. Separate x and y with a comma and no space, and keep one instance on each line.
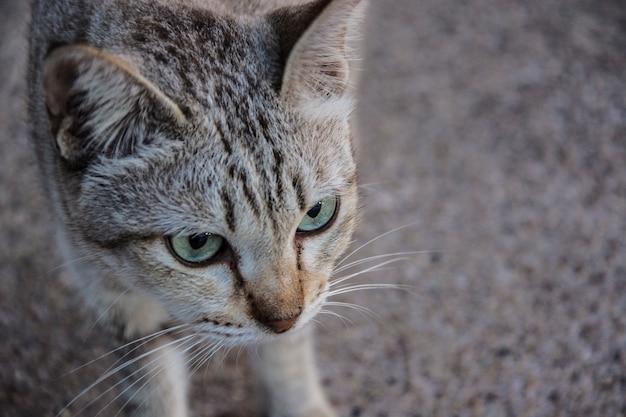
(319,215)
(195,249)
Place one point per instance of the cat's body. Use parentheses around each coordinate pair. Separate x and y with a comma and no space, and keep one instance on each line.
(198,160)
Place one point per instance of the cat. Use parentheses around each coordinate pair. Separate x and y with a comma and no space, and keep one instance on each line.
(199,162)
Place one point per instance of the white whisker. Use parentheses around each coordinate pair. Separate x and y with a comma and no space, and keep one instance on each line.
(369,187)
(376,267)
(207,358)
(104,313)
(320,323)
(369,242)
(151,373)
(155,371)
(114,371)
(346,321)
(404,255)
(151,370)
(239,350)
(204,356)
(220,364)
(141,343)
(69,262)
(364,310)
(145,339)
(364,287)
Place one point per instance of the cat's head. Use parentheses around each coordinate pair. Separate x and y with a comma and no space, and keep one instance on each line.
(206,161)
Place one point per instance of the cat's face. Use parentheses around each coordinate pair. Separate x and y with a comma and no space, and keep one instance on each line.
(230,205)
(232,241)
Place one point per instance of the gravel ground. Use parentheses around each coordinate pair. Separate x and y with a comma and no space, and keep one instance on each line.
(495,131)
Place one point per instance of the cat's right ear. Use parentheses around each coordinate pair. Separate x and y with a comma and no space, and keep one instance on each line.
(99,105)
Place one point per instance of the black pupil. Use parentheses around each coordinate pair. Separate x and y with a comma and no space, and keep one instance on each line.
(198,241)
(315,210)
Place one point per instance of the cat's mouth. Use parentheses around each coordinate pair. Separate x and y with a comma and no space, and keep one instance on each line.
(257,328)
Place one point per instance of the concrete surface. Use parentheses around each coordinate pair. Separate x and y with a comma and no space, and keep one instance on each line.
(497,130)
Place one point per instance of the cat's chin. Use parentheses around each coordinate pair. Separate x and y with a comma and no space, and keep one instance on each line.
(255,336)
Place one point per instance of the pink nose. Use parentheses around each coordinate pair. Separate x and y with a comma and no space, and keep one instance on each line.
(281,326)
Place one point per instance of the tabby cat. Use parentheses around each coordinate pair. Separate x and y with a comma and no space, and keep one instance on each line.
(198,159)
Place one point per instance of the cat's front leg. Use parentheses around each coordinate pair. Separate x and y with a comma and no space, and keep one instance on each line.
(156,379)
(286,369)
(151,364)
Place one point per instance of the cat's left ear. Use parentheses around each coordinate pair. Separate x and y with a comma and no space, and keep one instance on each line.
(314,40)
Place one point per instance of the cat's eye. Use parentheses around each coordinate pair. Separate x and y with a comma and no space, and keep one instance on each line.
(319,215)
(197,248)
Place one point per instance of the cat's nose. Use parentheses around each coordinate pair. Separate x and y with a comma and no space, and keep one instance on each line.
(281,326)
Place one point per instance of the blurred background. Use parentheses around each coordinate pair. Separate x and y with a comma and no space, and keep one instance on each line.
(495,133)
